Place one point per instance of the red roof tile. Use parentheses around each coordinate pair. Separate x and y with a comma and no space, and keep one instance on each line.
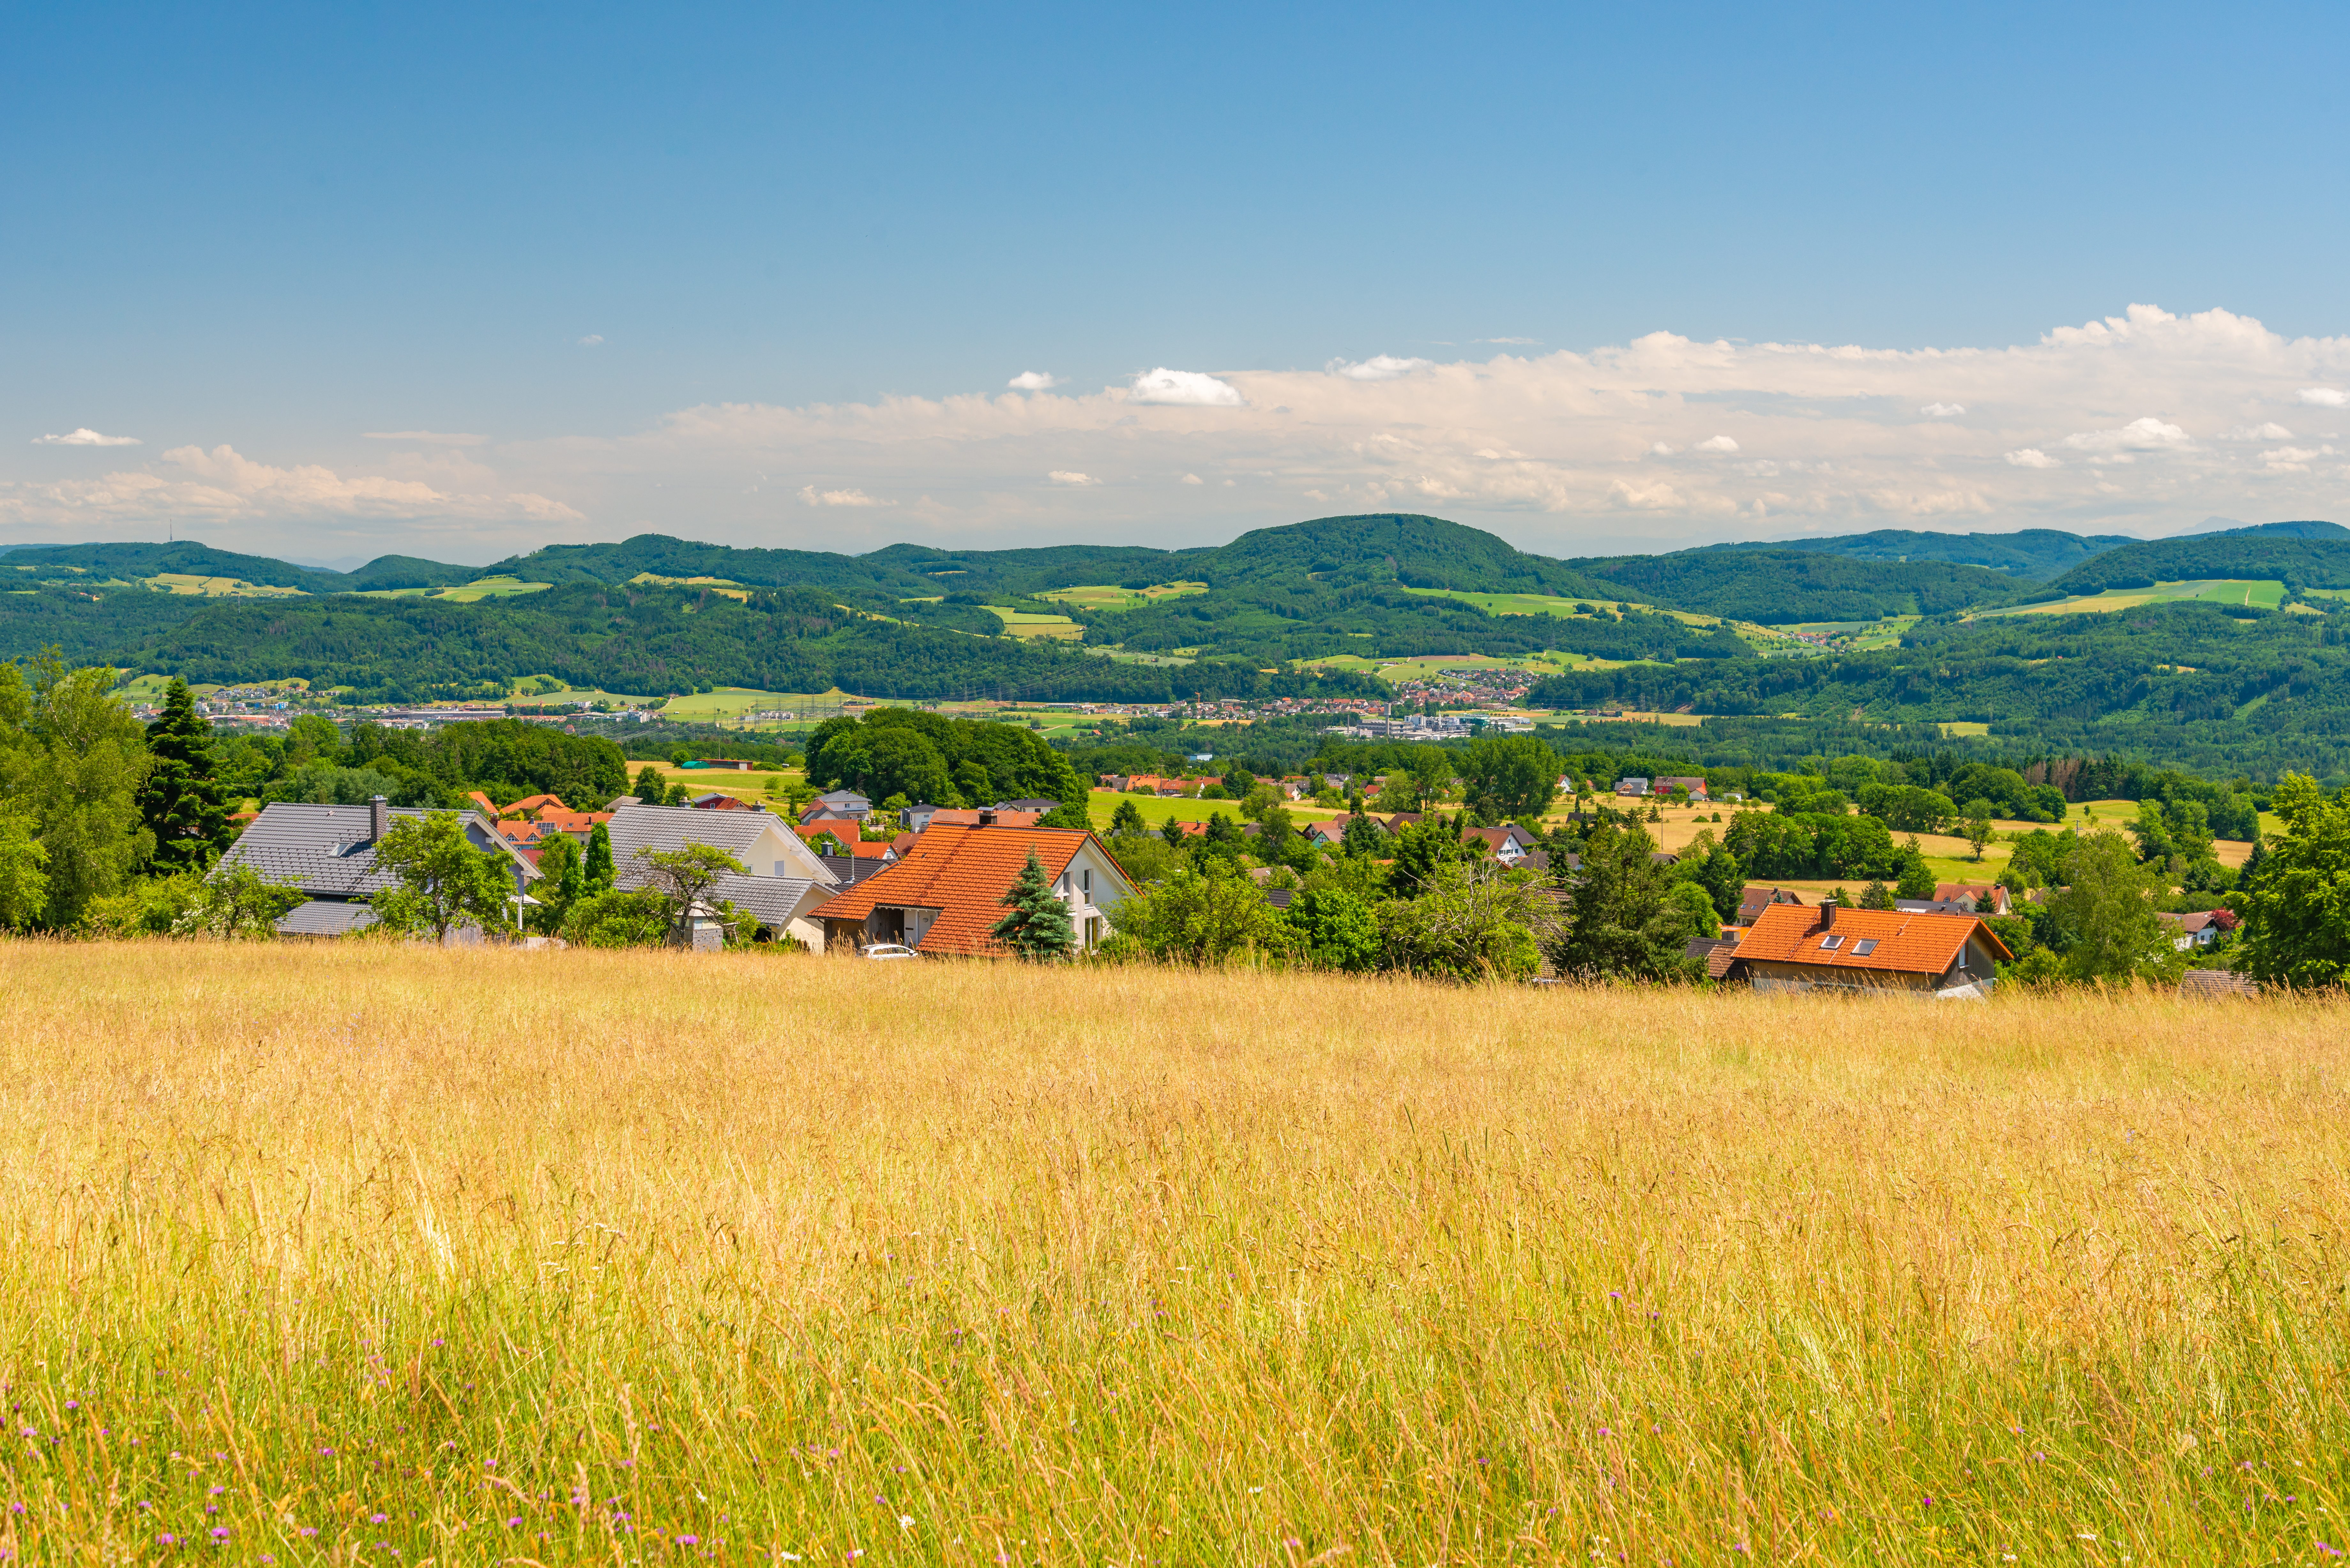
(962,873)
(840,832)
(1906,943)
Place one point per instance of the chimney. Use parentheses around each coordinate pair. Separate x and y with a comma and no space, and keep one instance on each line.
(379,817)
(1827,914)
(986,818)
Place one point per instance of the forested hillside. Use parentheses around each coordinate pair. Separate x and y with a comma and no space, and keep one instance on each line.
(2186,682)
(2297,562)
(652,639)
(2040,553)
(1778,588)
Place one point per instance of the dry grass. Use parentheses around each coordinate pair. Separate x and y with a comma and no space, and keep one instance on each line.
(738,1257)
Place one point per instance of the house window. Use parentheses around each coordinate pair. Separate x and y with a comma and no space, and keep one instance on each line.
(1089,876)
(1864,947)
(1829,944)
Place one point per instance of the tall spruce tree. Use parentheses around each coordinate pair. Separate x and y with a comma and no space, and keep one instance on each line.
(1037,927)
(181,799)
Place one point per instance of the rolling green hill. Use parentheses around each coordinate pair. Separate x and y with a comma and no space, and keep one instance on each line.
(1780,587)
(2299,561)
(2039,554)
(2193,684)
(657,613)
(136,562)
(652,639)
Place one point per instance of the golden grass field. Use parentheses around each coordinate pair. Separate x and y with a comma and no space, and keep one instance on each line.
(321,1254)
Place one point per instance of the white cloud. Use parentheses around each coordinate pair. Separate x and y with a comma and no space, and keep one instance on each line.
(2138,435)
(1377,367)
(2293,459)
(2325,397)
(84,437)
(1943,410)
(593,340)
(2269,432)
(1717,444)
(1589,443)
(1065,476)
(1185,388)
(810,496)
(1034,381)
(1193,479)
(427,438)
(191,484)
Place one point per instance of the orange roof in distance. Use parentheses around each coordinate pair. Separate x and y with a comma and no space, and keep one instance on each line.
(962,873)
(1905,944)
(841,833)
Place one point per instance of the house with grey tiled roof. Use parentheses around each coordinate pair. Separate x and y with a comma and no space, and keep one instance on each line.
(784,876)
(328,852)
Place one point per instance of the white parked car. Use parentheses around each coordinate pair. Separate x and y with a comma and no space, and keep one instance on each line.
(891,950)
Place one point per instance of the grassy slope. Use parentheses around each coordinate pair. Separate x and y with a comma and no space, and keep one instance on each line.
(576,1256)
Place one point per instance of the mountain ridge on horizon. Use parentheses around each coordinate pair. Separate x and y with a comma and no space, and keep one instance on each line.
(2041,554)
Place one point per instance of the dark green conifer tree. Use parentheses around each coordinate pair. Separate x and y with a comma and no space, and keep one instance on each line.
(1037,926)
(182,800)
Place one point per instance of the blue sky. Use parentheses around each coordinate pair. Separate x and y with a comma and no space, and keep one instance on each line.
(564,231)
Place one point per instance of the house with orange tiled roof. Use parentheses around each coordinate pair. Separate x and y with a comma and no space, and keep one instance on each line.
(529,823)
(844,834)
(1822,947)
(945,897)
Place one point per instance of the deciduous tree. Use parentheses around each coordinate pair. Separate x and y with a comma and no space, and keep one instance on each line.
(2297,908)
(1509,776)
(443,881)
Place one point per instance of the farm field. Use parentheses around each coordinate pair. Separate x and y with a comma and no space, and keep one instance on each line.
(327,1253)
(216,587)
(727,585)
(1551,605)
(1550,662)
(480,589)
(750,787)
(1109,596)
(1102,805)
(2266,595)
(1028,623)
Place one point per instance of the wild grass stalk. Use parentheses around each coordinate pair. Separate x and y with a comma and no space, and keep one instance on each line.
(339,1254)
